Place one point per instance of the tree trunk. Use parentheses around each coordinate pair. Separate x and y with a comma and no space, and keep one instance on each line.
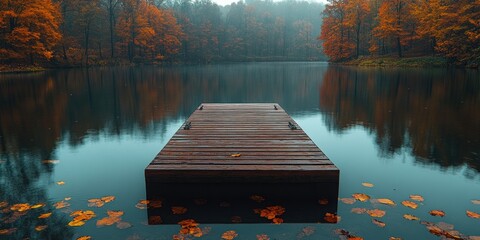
(399,47)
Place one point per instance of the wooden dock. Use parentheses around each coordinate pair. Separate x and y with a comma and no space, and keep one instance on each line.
(240,143)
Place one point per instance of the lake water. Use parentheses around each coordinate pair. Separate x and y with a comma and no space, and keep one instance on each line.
(406,131)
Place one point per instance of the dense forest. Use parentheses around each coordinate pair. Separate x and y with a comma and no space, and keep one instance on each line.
(447,28)
(97,32)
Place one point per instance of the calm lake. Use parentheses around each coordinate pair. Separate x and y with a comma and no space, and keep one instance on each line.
(72,135)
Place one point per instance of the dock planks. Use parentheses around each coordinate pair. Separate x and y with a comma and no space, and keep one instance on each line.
(240,143)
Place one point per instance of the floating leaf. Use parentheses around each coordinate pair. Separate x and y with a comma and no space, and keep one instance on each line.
(476,201)
(437,213)
(155,204)
(67,198)
(416,198)
(394,238)
(142,204)
(20,207)
(359,210)
(190,226)
(306,231)
(262,237)
(7,231)
(376,213)
(378,223)
(114,214)
(348,200)
(473,214)
(60,183)
(331,217)
(229,235)
(323,201)
(154,220)
(38,205)
(236,155)
(95,202)
(179,210)
(271,212)
(385,201)
(257,198)
(108,199)
(123,225)
(108,221)
(82,215)
(75,223)
(366,184)
(354,238)
(45,215)
(361,197)
(3,204)
(411,217)
(40,228)
(277,220)
(410,204)
(84,238)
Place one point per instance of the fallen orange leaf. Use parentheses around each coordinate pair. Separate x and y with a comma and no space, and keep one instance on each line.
(473,214)
(348,200)
(84,238)
(236,155)
(45,215)
(155,204)
(229,235)
(361,197)
(7,231)
(410,217)
(394,238)
(378,223)
(108,221)
(40,228)
(75,223)
(263,237)
(39,205)
(410,204)
(376,213)
(437,213)
(416,198)
(354,238)
(20,207)
(366,184)
(277,220)
(114,214)
(385,201)
(331,217)
(155,220)
(61,204)
(179,210)
(142,204)
(108,198)
(3,204)
(60,183)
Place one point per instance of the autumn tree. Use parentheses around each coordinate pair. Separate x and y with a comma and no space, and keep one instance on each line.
(29,30)
(356,13)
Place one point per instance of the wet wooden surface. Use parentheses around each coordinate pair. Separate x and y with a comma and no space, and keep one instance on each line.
(241,143)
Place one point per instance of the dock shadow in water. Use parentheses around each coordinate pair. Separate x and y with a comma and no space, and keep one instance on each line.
(223,203)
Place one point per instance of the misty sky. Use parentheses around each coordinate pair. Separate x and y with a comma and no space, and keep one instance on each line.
(227,2)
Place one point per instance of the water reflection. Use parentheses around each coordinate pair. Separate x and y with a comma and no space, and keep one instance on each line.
(435,113)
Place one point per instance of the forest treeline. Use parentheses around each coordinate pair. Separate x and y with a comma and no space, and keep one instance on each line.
(447,28)
(85,32)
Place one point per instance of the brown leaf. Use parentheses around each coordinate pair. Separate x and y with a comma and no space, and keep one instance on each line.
(20,207)
(61,204)
(114,214)
(473,214)
(307,231)
(155,204)
(348,200)
(257,198)
(437,213)
(123,225)
(154,220)
(229,235)
(277,220)
(179,210)
(108,221)
(45,215)
(236,219)
(108,198)
(361,197)
(378,223)
(331,217)
(236,155)
(262,237)
(359,210)
(416,198)
(366,184)
(40,228)
(376,213)
(410,217)
(410,204)
(3,204)
(7,231)
(323,201)
(385,201)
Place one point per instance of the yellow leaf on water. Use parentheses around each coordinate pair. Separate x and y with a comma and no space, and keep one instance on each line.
(410,204)
(473,214)
(378,223)
(376,213)
(229,235)
(416,198)
(40,228)
(236,155)
(74,223)
(410,217)
(84,238)
(361,197)
(20,207)
(437,213)
(60,183)
(179,210)
(366,184)
(45,215)
(39,205)
(108,199)
(386,201)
